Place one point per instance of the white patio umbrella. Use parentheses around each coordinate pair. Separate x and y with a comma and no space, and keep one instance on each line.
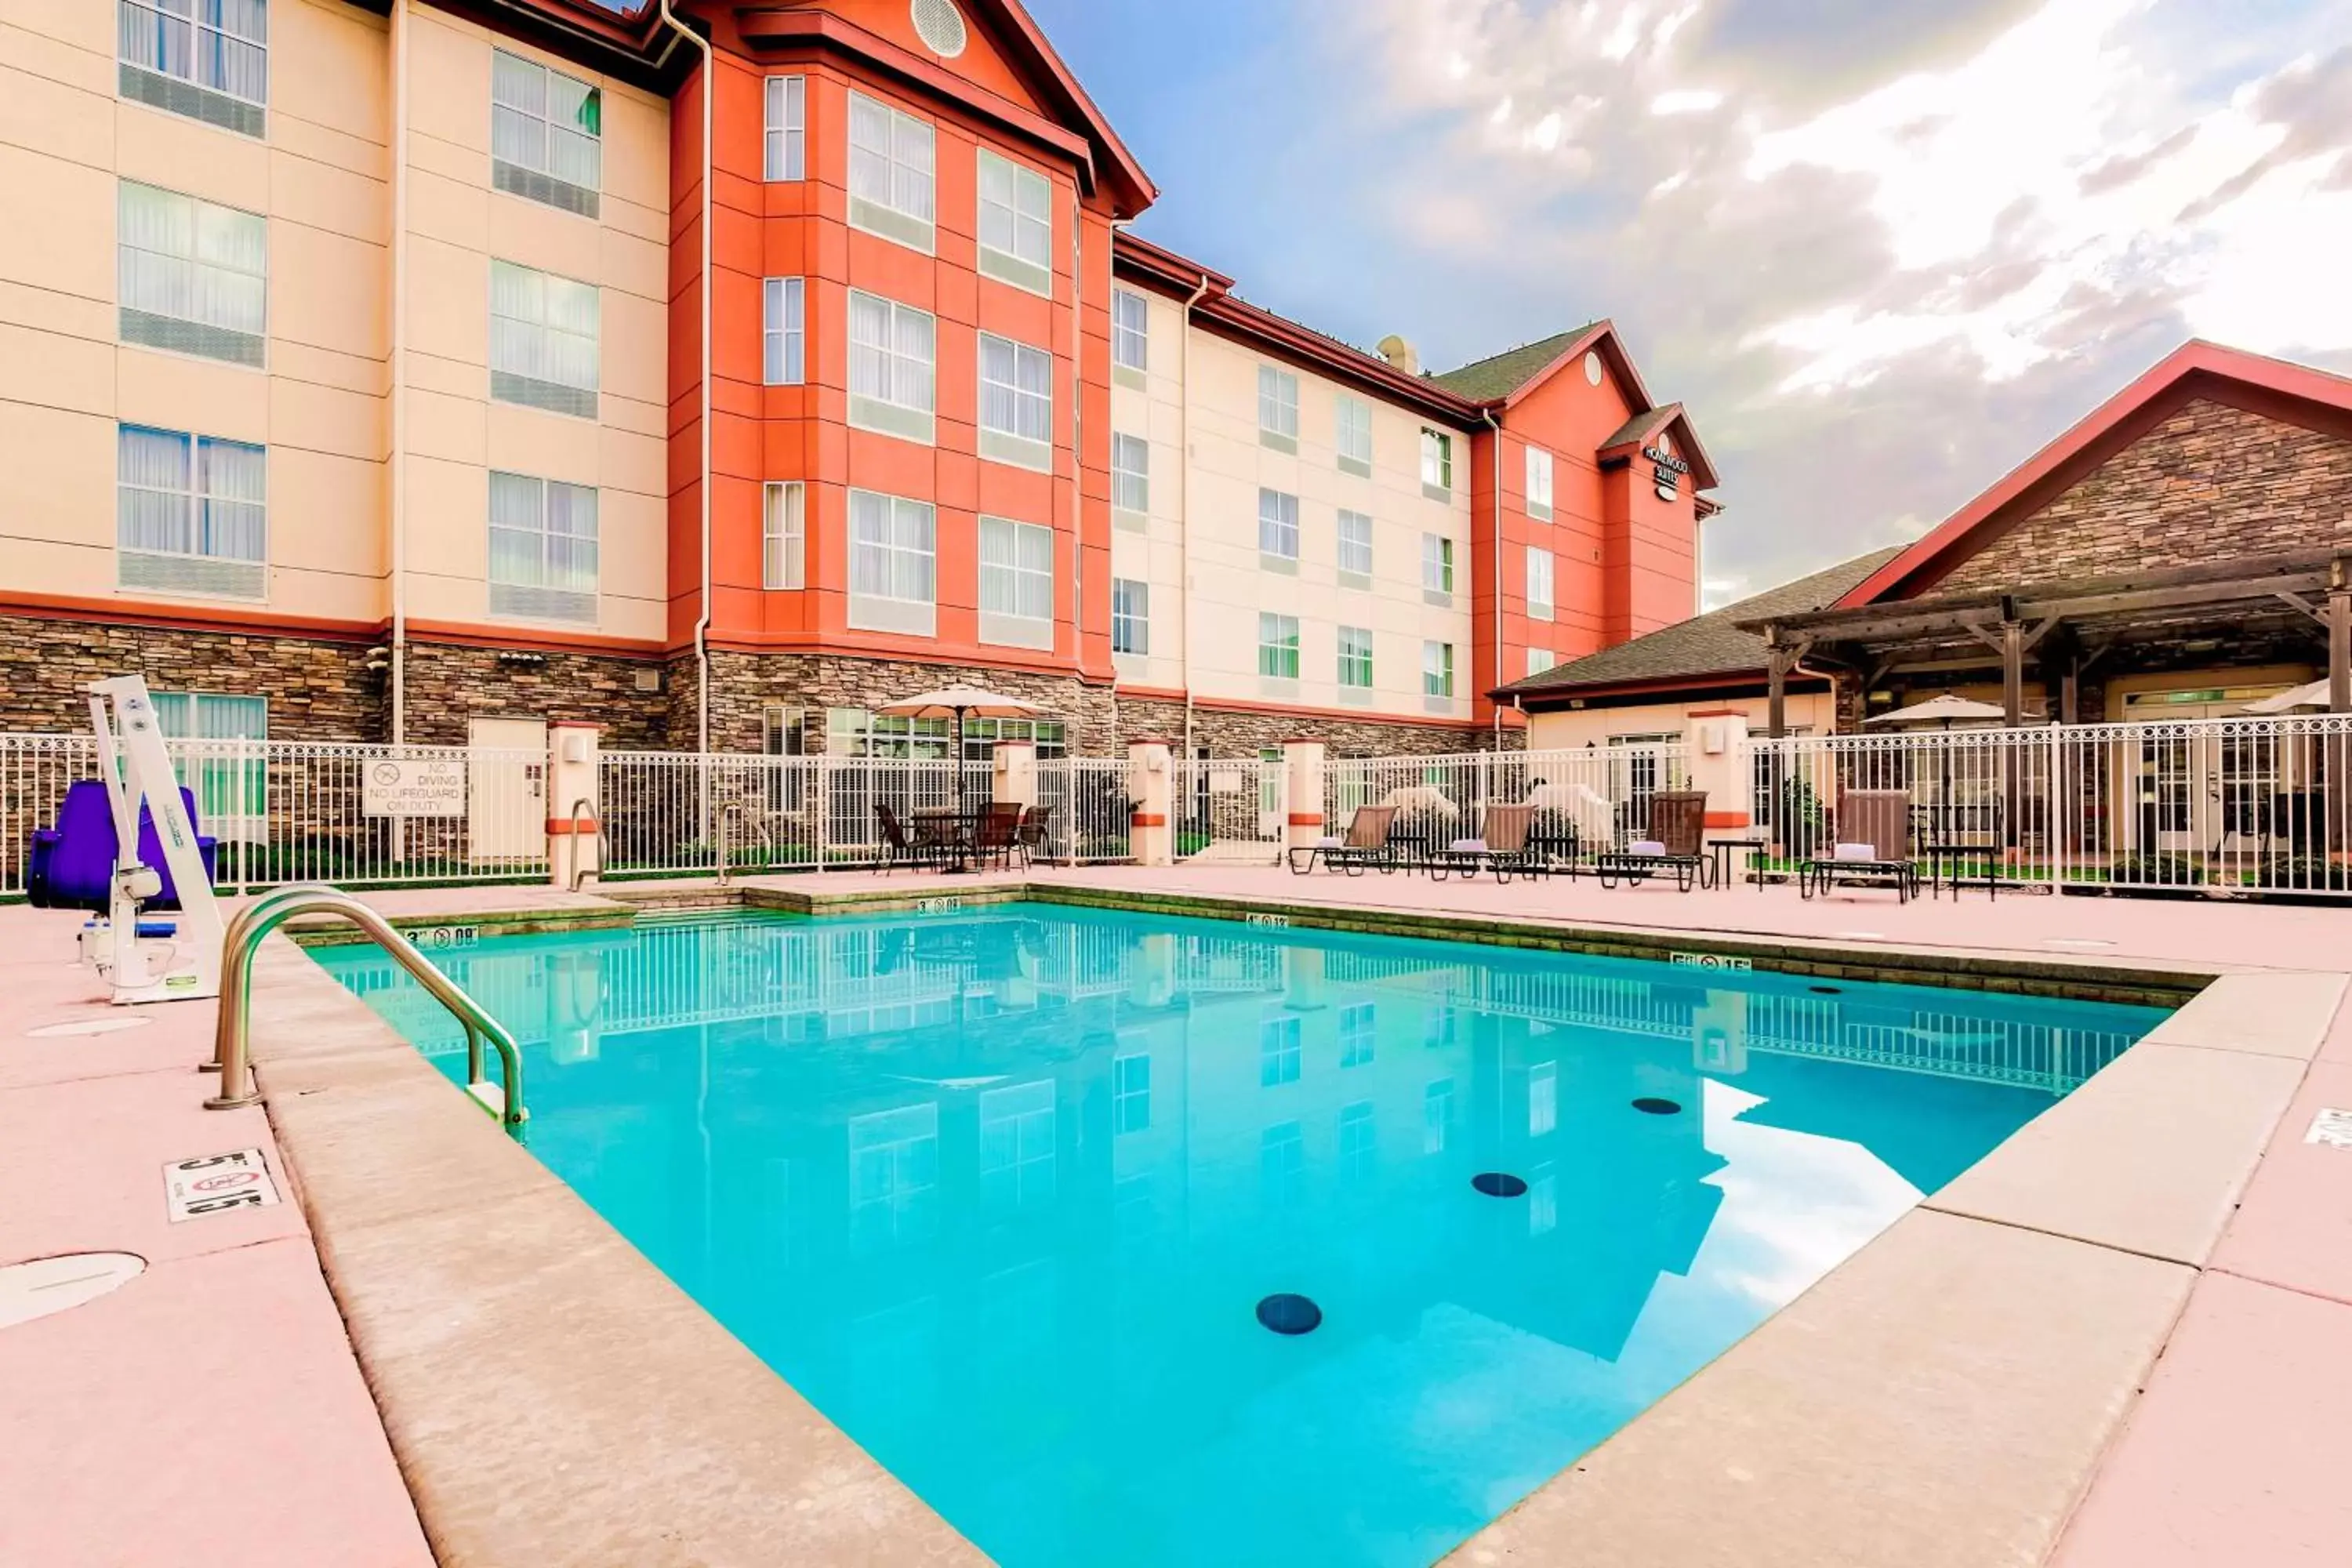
(2311,696)
(958,702)
(1946,709)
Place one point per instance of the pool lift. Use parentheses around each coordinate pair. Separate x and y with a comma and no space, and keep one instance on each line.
(149,960)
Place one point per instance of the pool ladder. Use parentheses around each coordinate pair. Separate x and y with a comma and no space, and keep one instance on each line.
(232,1039)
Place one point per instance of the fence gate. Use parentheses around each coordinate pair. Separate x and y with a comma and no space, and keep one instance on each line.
(1231,810)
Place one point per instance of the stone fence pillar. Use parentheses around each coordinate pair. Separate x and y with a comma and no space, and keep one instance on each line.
(1015,779)
(573,846)
(1151,783)
(1302,772)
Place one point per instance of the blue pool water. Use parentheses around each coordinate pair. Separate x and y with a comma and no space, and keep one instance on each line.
(1002,1191)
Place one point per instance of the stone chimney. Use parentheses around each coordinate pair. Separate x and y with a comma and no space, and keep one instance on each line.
(1400,353)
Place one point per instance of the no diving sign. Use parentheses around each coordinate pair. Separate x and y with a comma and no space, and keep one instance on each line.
(216,1184)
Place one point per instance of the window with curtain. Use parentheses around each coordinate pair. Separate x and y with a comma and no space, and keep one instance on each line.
(231,788)
(1436,464)
(1539,660)
(1130,616)
(891,163)
(1017,403)
(783,336)
(542,549)
(893,564)
(1437,670)
(1352,417)
(1130,474)
(1539,583)
(1278,408)
(1016,584)
(893,367)
(191,277)
(543,341)
(547,134)
(1436,568)
(1131,330)
(784,535)
(1355,544)
(787,129)
(208,59)
(191,513)
(1356,657)
(1278,526)
(1277,646)
(1016,224)
(1539,484)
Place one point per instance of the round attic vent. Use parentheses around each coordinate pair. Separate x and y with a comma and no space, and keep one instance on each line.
(940,26)
(1592,369)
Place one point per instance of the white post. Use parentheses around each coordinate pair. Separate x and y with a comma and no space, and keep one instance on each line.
(574,837)
(1014,767)
(1718,767)
(1302,772)
(1151,838)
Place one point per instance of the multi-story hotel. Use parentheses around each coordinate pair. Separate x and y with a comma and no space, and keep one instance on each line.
(719,373)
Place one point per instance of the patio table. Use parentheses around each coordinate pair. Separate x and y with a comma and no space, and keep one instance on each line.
(949,829)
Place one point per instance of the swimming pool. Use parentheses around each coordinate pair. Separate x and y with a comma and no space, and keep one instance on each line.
(1006,1194)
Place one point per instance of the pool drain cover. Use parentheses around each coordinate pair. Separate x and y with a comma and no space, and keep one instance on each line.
(46,1285)
(1499,1185)
(1288,1314)
(1651,1105)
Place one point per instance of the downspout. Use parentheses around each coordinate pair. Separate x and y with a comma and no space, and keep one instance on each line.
(1078,441)
(396,485)
(1184,515)
(702,615)
(1496,425)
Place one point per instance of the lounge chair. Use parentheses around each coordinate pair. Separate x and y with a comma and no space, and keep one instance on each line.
(1872,847)
(1676,847)
(1366,844)
(1503,847)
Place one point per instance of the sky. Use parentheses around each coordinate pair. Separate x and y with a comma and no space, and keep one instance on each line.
(1883,250)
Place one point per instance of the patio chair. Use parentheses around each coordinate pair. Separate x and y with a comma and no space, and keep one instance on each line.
(1503,847)
(997,833)
(1872,847)
(897,849)
(1676,848)
(1366,844)
(1030,840)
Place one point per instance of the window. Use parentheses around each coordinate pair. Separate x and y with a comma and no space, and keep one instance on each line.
(1358,1025)
(783,730)
(1016,583)
(192,277)
(1539,484)
(1539,660)
(543,332)
(542,549)
(1278,408)
(1355,549)
(1277,1049)
(208,59)
(231,791)
(890,164)
(1130,616)
(893,367)
(1277,527)
(191,514)
(1016,403)
(1543,1098)
(1356,658)
(787,149)
(1437,465)
(1437,670)
(1017,1144)
(784,535)
(1131,1093)
(1438,1026)
(546,134)
(894,1171)
(1277,646)
(1539,569)
(1353,417)
(855,732)
(1130,331)
(1438,568)
(783,336)
(1130,474)
(893,564)
(1051,738)
(1016,224)
(1436,1115)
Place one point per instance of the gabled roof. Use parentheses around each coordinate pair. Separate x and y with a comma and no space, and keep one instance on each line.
(1706,648)
(1492,379)
(2294,393)
(1502,380)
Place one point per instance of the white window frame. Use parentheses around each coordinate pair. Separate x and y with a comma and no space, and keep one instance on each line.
(783,534)
(1016,583)
(1026,220)
(1436,464)
(1540,483)
(1540,659)
(199,512)
(1130,476)
(549,590)
(893,188)
(1130,1088)
(1351,433)
(894,384)
(1354,536)
(1131,617)
(1130,339)
(1437,673)
(176,63)
(784,146)
(894,564)
(784,331)
(526,133)
(1028,441)
(232,791)
(1355,658)
(1541,583)
(203,299)
(1278,408)
(1278,645)
(522,345)
(1278,529)
(1436,569)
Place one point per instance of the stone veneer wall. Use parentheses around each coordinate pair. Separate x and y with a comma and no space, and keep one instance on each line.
(2211,481)
(743,686)
(449,686)
(1227,734)
(317,690)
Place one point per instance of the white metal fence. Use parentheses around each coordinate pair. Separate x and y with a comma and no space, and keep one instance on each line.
(1230,809)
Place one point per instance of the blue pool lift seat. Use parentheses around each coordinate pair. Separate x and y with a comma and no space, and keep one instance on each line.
(72,863)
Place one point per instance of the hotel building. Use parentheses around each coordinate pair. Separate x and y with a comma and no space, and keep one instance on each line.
(434,371)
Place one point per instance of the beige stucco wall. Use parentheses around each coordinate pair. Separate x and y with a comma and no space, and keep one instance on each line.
(1808,713)
(1215,487)
(321,178)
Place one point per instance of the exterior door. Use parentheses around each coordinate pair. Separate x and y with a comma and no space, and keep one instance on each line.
(506,791)
(2202,791)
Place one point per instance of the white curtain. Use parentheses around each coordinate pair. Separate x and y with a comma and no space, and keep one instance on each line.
(869,347)
(783,333)
(786,127)
(571,538)
(543,327)
(869,149)
(233,489)
(155,489)
(913,335)
(517,556)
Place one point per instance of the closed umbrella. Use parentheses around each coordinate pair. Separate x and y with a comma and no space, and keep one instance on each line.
(957,701)
(2315,695)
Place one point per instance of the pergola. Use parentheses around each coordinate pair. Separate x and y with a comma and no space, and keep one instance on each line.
(2247,605)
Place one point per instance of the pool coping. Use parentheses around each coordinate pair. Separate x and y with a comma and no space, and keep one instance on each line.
(2057,1265)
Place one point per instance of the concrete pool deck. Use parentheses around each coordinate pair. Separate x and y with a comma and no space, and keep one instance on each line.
(1966,1390)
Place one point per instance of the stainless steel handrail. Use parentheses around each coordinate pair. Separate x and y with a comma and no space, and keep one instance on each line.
(241,925)
(579,870)
(737,810)
(233,1036)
